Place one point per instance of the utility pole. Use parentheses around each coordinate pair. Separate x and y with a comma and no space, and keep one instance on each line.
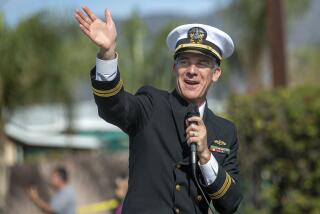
(276,42)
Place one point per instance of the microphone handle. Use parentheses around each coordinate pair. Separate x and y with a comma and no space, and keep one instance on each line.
(193,149)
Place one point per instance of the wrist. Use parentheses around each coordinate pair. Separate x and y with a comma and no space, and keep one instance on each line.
(107,54)
(204,157)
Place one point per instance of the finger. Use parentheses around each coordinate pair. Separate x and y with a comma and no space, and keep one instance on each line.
(85,30)
(107,15)
(110,15)
(197,141)
(83,17)
(89,13)
(194,134)
(192,127)
(188,123)
(193,140)
(189,136)
(194,119)
(81,21)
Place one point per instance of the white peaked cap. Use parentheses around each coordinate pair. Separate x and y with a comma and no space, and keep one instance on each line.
(204,39)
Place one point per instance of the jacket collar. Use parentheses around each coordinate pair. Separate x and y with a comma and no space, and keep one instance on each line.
(209,119)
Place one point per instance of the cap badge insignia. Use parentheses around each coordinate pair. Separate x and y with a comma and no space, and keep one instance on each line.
(197,35)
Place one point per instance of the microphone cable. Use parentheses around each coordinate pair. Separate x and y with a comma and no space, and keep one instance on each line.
(199,187)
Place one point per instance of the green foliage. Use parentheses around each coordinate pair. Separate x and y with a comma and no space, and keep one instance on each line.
(296,8)
(248,18)
(143,60)
(248,21)
(42,61)
(26,59)
(279,149)
(304,65)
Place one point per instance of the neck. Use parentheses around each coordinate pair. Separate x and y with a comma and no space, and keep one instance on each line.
(198,101)
(201,102)
(61,186)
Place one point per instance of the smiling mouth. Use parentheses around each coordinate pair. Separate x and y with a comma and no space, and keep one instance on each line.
(191,82)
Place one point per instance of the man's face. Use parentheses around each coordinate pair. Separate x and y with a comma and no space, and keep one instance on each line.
(55,180)
(194,75)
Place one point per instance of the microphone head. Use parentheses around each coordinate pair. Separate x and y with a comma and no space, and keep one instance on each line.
(192,110)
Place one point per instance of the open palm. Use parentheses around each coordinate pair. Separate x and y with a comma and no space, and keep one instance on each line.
(102,33)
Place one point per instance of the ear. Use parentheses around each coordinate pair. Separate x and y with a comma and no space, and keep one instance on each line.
(174,71)
(216,74)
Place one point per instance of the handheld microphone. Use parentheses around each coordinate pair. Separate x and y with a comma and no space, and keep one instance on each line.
(193,110)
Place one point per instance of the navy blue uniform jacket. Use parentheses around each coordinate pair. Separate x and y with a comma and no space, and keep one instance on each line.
(160,178)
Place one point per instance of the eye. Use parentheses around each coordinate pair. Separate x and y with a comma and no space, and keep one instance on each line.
(203,64)
(183,63)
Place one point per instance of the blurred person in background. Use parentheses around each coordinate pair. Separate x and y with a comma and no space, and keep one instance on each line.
(160,178)
(63,200)
(121,188)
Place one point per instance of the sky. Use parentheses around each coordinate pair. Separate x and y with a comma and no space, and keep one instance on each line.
(15,10)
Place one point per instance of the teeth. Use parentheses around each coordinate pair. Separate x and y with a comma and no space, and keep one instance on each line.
(191,82)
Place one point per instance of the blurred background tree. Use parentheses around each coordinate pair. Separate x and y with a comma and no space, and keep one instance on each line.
(260,32)
(39,64)
(279,152)
(145,58)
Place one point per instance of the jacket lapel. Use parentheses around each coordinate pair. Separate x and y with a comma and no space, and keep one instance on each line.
(179,108)
(208,119)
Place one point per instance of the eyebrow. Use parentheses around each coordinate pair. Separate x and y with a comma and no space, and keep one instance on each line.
(183,57)
(204,60)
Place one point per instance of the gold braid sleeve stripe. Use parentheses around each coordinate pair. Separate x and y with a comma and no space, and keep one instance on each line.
(110,92)
(222,191)
(207,47)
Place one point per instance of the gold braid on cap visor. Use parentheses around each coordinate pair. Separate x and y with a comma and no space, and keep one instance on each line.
(206,47)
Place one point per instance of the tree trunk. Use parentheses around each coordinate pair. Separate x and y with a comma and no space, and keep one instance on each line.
(276,42)
(3,170)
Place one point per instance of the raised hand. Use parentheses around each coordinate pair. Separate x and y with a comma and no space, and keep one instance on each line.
(33,193)
(102,33)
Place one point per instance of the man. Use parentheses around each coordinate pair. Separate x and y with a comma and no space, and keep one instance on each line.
(63,201)
(160,178)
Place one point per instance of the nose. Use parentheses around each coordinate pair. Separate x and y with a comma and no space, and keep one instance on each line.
(192,69)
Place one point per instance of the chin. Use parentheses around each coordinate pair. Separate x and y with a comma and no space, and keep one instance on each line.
(191,96)
(189,93)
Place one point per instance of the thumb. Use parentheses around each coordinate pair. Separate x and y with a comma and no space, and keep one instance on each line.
(108,16)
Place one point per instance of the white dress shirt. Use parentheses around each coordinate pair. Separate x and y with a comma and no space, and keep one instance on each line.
(106,70)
